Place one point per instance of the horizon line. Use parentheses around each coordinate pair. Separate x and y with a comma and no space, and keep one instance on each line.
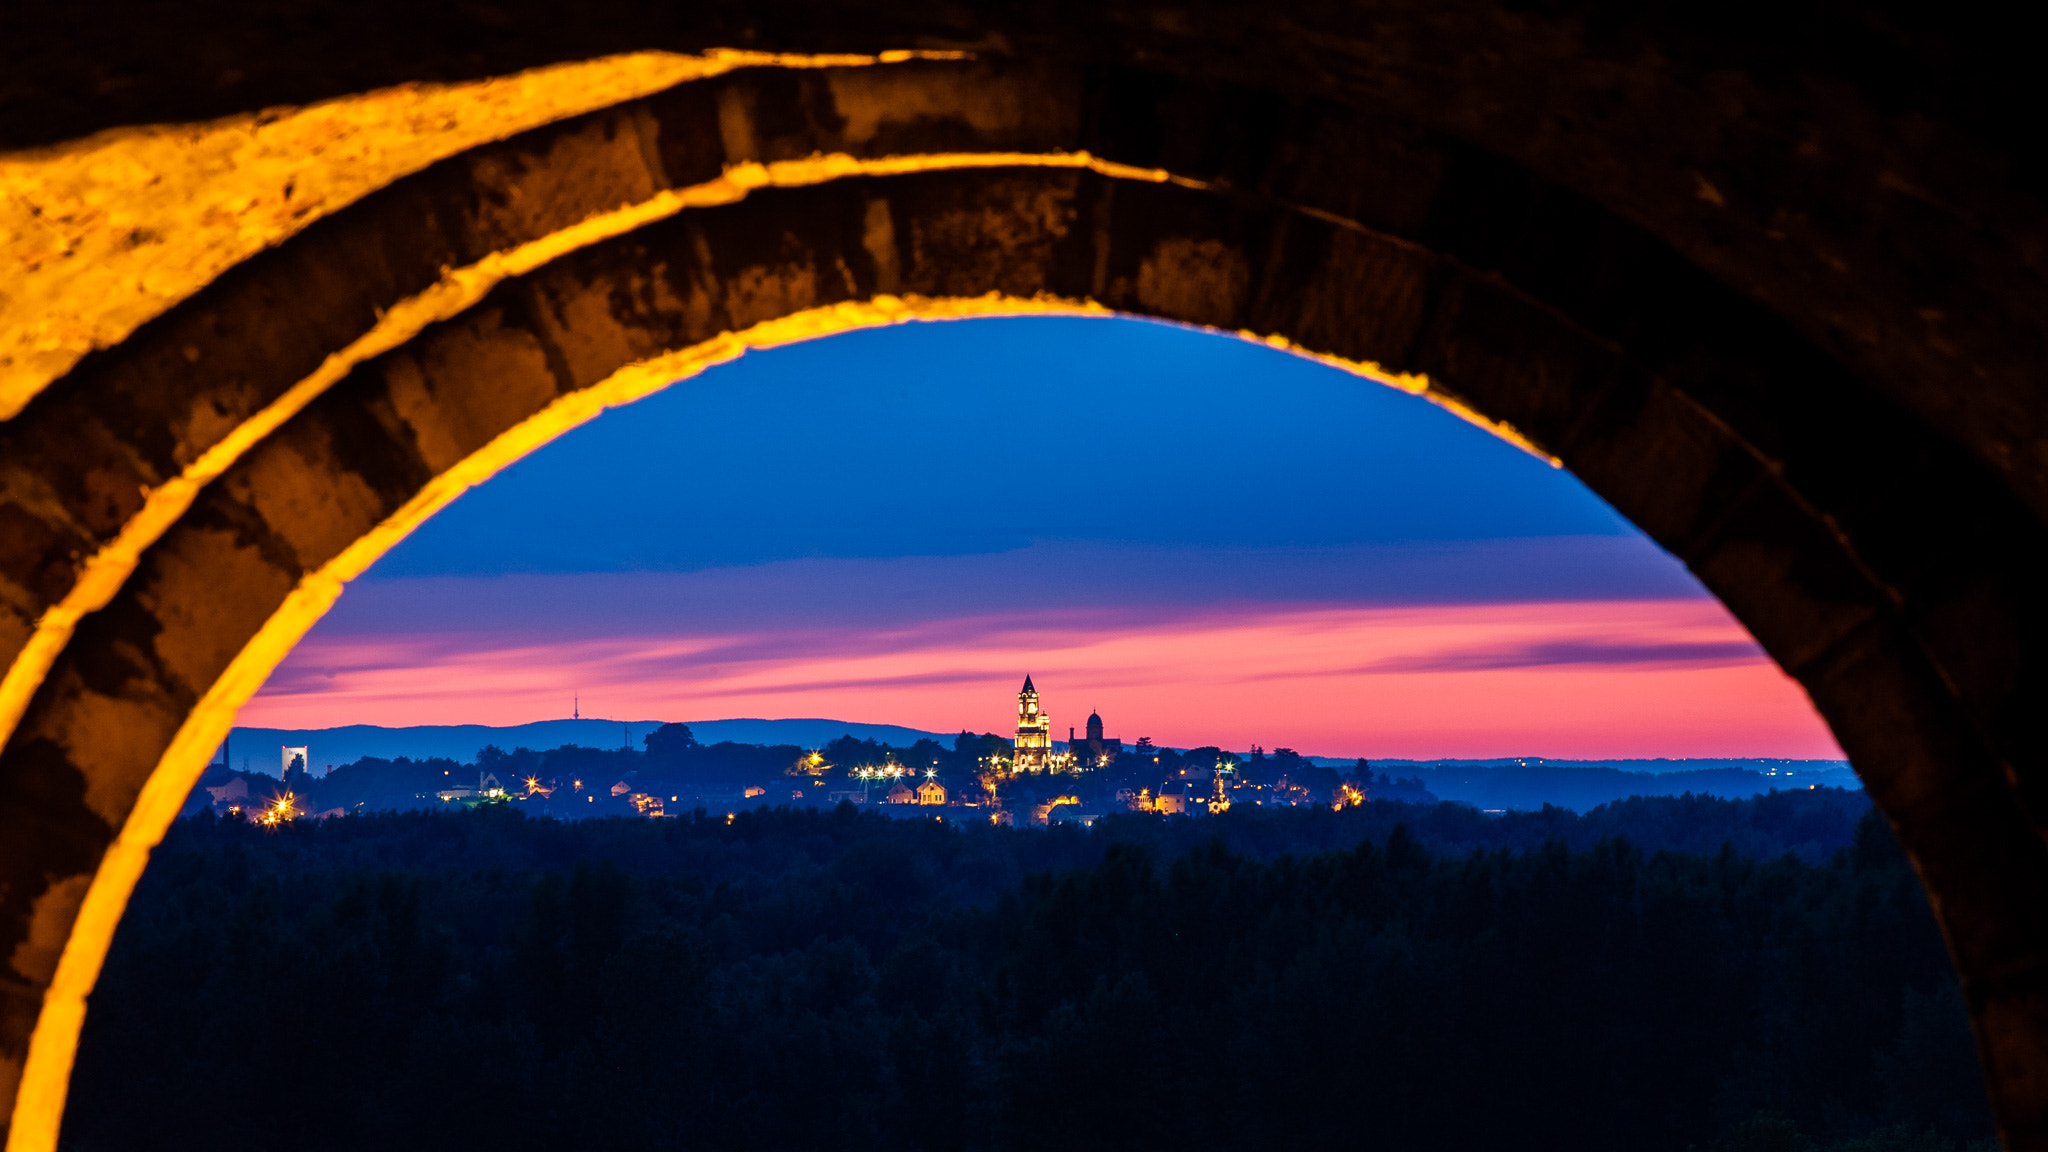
(1551,760)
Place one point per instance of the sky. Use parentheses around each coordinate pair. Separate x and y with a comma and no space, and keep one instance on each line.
(1207,540)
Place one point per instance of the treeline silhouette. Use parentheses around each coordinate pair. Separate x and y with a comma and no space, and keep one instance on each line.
(1392,976)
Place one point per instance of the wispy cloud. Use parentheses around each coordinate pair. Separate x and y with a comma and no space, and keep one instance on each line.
(1608,653)
(1585,678)
(1068,578)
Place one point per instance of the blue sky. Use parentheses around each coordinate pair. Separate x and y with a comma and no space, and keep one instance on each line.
(892,526)
(977,437)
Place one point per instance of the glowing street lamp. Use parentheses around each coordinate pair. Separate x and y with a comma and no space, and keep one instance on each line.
(282,810)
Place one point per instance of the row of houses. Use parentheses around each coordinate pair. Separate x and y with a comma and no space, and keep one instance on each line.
(929,793)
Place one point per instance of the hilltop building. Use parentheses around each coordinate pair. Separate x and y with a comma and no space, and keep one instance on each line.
(1033,746)
(231,796)
(1097,751)
(487,789)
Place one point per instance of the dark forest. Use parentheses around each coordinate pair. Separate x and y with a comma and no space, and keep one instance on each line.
(1665,973)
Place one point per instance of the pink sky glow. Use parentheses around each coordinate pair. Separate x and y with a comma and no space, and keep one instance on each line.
(1592,679)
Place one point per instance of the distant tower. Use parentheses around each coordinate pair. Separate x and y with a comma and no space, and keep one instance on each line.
(575,707)
(1034,732)
(1098,751)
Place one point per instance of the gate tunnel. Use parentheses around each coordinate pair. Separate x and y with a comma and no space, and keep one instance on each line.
(1797,350)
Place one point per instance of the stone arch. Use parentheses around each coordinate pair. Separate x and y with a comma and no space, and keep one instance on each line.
(459,316)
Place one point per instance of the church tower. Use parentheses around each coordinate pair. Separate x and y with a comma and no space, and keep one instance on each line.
(1034,732)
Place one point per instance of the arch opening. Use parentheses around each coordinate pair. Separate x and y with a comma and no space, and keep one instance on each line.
(1057,680)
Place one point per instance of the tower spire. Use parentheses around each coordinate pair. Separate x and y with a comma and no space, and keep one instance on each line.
(1032,750)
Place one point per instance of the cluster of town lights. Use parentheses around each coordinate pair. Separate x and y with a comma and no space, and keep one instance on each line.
(994,771)
(891,772)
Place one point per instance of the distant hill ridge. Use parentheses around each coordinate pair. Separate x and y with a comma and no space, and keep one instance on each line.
(337,746)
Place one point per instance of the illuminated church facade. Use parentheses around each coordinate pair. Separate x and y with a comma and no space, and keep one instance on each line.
(1032,749)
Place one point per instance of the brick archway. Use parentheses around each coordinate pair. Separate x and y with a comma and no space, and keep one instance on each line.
(259,442)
